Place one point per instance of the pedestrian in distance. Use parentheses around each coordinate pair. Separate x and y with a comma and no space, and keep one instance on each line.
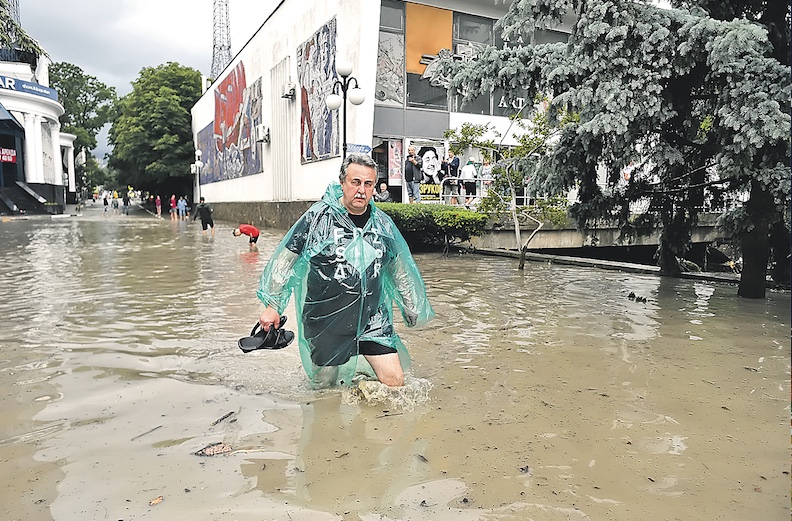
(412,175)
(181,206)
(468,177)
(125,207)
(173,207)
(347,265)
(384,196)
(251,231)
(451,185)
(106,203)
(158,204)
(204,212)
(486,178)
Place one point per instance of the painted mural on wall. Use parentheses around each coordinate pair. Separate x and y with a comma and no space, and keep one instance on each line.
(390,70)
(316,76)
(229,145)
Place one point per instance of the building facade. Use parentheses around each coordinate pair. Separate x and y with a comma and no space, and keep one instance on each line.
(37,170)
(264,129)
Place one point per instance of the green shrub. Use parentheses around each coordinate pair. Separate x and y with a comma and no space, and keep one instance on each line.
(427,226)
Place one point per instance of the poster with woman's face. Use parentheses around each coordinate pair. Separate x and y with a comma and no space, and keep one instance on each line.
(430,156)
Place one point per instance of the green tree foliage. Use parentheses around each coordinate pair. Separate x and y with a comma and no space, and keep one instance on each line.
(700,105)
(88,106)
(87,102)
(152,133)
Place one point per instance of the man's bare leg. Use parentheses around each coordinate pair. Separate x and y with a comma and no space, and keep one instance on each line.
(387,368)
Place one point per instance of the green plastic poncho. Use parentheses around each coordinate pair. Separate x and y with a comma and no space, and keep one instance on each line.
(345,280)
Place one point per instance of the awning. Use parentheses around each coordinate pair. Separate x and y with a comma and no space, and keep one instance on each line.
(9,123)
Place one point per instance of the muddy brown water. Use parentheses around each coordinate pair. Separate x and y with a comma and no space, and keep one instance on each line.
(553,396)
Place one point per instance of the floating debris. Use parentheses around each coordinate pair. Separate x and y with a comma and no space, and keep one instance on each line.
(213,449)
(223,417)
(156,501)
(147,432)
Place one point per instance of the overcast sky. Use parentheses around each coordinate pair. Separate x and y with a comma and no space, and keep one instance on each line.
(114,39)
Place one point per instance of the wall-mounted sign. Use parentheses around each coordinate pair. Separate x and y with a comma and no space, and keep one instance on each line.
(28,87)
(7,155)
(354,148)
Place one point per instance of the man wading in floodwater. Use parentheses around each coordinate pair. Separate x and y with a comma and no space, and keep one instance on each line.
(348,264)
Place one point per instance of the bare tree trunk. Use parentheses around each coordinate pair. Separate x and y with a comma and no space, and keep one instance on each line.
(513,206)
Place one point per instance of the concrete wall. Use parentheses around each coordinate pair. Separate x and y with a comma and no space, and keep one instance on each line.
(550,237)
(263,215)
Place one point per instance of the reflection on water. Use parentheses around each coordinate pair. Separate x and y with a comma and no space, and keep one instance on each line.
(552,392)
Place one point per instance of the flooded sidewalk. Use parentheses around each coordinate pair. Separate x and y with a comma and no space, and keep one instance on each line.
(552,395)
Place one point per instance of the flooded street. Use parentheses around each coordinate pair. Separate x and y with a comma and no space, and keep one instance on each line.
(553,396)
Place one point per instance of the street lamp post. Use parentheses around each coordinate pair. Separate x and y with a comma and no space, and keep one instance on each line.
(195,169)
(355,95)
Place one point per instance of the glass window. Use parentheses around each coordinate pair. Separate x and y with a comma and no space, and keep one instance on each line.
(392,16)
(471,35)
(420,93)
(473,29)
(549,36)
(478,105)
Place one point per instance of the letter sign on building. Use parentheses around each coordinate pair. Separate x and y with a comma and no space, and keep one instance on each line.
(7,155)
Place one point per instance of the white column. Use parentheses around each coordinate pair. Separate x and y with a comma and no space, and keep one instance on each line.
(30,148)
(38,156)
(56,154)
(70,167)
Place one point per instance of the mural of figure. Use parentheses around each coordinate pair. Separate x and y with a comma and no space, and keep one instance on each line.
(316,75)
(306,125)
(228,144)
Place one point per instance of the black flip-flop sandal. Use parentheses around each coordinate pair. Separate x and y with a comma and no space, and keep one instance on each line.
(275,338)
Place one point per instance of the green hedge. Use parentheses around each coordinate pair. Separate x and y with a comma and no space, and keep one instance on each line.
(427,226)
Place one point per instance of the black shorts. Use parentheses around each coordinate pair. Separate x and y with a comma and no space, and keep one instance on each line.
(367,347)
(205,224)
(254,240)
(333,357)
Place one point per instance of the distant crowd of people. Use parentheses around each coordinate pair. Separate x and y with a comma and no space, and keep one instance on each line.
(462,185)
(179,210)
(112,205)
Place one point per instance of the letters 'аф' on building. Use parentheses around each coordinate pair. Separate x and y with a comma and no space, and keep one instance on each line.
(263,126)
(36,159)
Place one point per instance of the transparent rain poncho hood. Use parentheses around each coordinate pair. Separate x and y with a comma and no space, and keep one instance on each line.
(345,281)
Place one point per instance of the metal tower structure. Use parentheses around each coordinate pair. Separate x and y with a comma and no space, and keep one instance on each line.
(221,48)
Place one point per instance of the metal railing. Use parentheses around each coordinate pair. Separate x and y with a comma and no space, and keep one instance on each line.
(461,196)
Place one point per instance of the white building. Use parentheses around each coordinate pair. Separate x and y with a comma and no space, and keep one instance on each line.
(36,159)
(265,132)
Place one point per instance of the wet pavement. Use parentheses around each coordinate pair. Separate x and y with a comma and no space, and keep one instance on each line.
(552,394)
